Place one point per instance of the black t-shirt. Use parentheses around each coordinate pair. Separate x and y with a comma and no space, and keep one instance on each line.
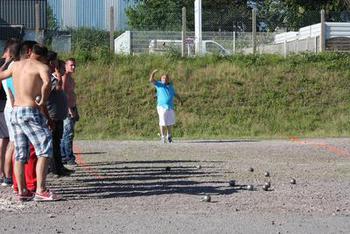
(2,92)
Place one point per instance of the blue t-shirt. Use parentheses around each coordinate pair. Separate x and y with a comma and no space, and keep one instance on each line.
(165,95)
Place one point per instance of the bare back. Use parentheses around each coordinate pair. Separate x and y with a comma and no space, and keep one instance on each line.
(30,79)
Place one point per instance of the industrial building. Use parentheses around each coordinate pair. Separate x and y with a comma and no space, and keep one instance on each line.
(17,19)
(90,13)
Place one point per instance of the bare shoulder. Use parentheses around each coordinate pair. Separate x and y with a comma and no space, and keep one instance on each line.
(42,67)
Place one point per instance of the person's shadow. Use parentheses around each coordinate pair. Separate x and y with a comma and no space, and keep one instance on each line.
(100,180)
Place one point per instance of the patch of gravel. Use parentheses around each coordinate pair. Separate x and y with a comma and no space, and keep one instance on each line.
(142,187)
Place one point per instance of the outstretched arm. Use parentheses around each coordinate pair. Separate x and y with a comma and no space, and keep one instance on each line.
(151,77)
(5,74)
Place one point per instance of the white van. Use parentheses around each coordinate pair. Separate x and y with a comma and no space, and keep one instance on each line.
(208,47)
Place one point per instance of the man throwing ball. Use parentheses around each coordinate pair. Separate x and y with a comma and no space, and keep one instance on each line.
(165,105)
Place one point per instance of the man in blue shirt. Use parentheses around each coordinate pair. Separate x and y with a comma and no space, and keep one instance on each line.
(165,104)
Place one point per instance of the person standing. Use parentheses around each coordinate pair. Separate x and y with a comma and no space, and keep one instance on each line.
(68,85)
(165,105)
(4,134)
(57,109)
(31,79)
(11,54)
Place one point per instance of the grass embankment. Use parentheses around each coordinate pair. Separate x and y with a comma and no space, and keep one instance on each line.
(234,97)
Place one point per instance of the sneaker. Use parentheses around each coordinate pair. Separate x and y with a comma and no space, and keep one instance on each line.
(26,196)
(71,162)
(66,170)
(162,140)
(7,182)
(65,160)
(170,139)
(47,196)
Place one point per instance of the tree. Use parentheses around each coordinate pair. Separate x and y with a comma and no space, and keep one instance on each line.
(157,14)
(293,14)
(218,15)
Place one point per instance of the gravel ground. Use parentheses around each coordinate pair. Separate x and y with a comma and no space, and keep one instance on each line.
(125,187)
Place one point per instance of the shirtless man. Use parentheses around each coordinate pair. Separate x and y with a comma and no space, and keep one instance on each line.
(31,79)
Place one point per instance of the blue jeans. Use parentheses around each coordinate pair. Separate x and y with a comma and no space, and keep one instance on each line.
(67,139)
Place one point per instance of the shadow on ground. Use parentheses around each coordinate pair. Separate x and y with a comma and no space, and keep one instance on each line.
(99,180)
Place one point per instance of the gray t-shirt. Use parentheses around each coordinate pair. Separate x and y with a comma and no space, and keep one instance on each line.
(57,105)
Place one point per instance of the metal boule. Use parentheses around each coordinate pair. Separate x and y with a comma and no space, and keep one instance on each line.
(199,167)
(250,187)
(206,198)
(250,169)
(267,174)
(266,187)
(293,181)
(37,99)
(268,184)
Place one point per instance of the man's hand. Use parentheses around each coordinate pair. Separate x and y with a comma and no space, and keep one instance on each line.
(151,77)
(51,124)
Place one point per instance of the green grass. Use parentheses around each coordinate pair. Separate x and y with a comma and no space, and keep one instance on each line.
(234,97)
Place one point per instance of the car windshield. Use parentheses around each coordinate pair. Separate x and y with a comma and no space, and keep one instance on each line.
(214,48)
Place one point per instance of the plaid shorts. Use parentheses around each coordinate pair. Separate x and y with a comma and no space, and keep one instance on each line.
(30,126)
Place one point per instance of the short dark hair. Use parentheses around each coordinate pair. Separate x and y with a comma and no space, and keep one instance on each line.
(26,46)
(51,56)
(40,50)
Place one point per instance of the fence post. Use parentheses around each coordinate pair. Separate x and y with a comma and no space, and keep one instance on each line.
(285,50)
(254,30)
(323,32)
(184,20)
(111,29)
(234,43)
(37,22)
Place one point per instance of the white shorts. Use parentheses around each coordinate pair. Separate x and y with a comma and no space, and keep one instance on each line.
(7,113)
(166,116)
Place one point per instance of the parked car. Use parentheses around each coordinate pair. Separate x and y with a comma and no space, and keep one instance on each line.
(208,46)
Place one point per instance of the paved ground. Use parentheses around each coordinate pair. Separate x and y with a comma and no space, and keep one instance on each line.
(124,187)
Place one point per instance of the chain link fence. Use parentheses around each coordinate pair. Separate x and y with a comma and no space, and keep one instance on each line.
(225,31)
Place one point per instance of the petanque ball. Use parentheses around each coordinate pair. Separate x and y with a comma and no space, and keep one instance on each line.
(267,174)
(251,169)
(206,198)
(37,99)
(266,187)
(268,184)
(250,187)
(293,181)
(232,183)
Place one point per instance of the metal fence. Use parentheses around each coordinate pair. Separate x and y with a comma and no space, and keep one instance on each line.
(230,32)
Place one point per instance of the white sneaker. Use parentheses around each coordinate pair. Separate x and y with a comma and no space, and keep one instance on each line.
(162,140)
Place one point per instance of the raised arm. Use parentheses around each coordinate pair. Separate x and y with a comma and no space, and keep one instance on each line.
(151,77)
